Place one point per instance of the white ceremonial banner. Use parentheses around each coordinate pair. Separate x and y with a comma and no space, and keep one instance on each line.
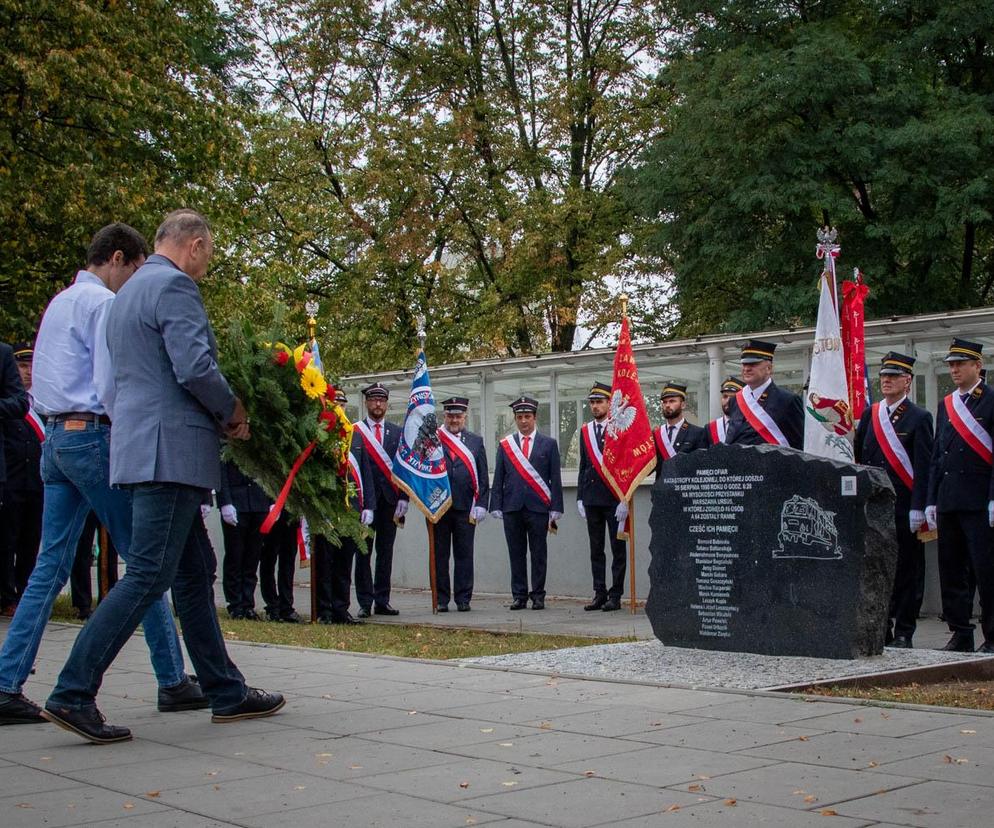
(828,425)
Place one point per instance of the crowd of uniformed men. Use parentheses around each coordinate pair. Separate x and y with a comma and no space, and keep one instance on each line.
(942,478)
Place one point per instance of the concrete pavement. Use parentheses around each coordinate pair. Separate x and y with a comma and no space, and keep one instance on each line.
(379,741)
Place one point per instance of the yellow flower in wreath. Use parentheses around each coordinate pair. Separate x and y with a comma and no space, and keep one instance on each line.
(313,383)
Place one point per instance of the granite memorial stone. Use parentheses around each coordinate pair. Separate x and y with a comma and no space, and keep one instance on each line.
(769,550)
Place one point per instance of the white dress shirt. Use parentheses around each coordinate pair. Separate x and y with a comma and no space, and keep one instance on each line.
(71,369)
(758,392)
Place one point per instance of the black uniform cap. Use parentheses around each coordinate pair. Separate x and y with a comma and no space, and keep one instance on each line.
(756,350)
(599,391)
(376,390)
(525,405)
(673,389)
(456,405)
(962,350)
(23,352)
(732,385)
(894,364)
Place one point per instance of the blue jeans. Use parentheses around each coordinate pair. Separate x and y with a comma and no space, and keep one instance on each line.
(75,467)
(169,548)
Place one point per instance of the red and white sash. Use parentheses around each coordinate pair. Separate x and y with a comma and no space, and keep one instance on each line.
(761,422)
(968,427)
(717,429)
(36,423)
(526,469)
(594,452)
(461,450)
(356,478)
(897,457)
(376,451)
(663,443)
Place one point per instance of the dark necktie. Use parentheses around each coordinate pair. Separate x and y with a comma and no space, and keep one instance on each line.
(599,432)
(669,433)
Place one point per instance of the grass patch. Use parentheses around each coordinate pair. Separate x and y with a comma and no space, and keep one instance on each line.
(974,695)
(413,641)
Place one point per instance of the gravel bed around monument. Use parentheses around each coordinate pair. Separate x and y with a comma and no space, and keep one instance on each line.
(651,661)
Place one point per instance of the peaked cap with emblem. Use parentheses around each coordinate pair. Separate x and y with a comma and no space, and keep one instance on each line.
(895,364)
(376,391)
(456,405)
(524,405)
(962,350)
(732,385)
(23,352)
(755,350)
(340,397)
(673,389)
(599,391)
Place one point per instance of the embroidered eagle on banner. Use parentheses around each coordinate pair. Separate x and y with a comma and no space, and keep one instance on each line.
(621,416)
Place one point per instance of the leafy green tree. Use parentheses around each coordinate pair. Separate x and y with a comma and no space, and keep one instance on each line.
(453,161)
(779,116)
(108,111)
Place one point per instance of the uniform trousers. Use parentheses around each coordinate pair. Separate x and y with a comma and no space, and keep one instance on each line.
(909,579)
(599,519)
(370,588)
(239,570)
(277,562)
(20,537)
(454,534)
(332,571)
(965,549)
(526,531)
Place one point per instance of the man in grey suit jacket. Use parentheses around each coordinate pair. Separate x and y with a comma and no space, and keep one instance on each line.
(171,405)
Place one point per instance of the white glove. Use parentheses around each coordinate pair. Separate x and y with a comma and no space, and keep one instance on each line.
(229,515)
(580,508)
(205,510)
(366,518)
(930,518)
(497,513)
(990,513)
(915,519)
(621,513)
(401,509)
(479,514)
(555,516)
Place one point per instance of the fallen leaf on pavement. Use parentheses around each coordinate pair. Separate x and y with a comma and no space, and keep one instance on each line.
(464,784)
(671,809)
(486,730)
(731,802)
(695,788)
(152,794)
(828,812)
(811,798)
(128,806)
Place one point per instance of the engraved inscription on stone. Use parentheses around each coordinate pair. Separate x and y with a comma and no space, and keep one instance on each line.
(712,500)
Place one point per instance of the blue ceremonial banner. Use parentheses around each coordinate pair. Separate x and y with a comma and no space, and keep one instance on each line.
(419,465)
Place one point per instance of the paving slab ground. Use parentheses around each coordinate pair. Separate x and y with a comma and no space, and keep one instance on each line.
(379,741)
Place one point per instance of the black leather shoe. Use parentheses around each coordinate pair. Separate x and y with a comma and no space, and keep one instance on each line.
(987,648)
(960,643)
(611,604)
(291,618)
(598,602)
(345,620)
(462,607)
(518,603)
(251,615)
(363,612)
(442,608)
(385,609)
(273,616)
(257,704)
(186,695)
(90,724)
(16,709)
(538,603)
(901,642)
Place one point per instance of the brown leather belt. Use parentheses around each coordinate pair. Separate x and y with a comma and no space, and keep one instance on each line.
(81,416)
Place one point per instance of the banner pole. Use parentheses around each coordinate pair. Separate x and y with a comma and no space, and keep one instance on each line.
(631,550)
(431,566)
(103,563)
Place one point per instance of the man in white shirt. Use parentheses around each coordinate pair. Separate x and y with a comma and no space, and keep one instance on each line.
(73,389)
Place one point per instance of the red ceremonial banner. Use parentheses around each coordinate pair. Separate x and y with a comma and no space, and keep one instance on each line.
(853,346)
(629,453)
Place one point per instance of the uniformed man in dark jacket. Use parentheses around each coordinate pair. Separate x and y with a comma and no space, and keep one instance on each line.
(20,512)
(13,399)
(768,414)
(332,563)
(469,481)
(380,440)
(244,506)
(676,435)
(599,506)
(961,497)
(718,428)
(528,496)
(896,435)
